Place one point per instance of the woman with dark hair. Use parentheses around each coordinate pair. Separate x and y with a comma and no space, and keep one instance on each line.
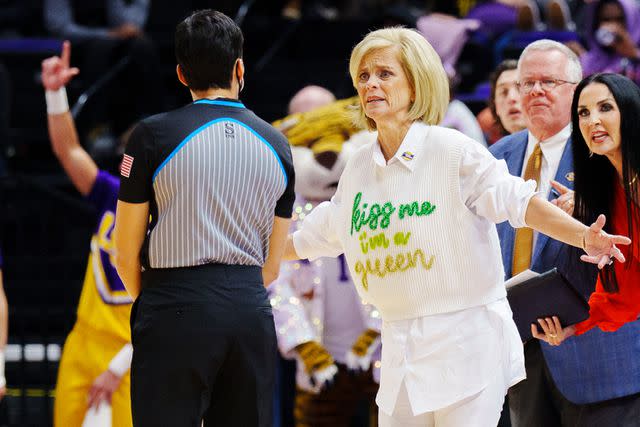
(606,157)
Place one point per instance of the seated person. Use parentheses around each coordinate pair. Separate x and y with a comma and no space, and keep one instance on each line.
(613,34)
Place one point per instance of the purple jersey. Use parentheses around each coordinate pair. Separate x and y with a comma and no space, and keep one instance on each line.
(104,197)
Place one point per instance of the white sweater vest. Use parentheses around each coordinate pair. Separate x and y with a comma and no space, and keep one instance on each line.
(412,245)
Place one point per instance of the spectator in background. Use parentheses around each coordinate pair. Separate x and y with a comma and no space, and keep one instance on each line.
(459,117)
(556,13)
(103,32)
(309,98)
(613,35)
(505,99)
(504,115)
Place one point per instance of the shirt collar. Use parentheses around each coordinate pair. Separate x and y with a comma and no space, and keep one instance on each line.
(552,143)
(224,102)
(408,152)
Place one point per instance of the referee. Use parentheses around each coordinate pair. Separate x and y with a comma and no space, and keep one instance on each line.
(217,183)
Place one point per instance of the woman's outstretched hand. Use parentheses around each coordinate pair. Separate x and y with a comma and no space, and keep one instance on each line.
(600,247)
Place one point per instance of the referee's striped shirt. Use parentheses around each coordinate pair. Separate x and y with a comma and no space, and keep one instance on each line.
(215,175)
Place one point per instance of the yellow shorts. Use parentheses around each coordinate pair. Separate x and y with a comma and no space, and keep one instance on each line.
(86,354)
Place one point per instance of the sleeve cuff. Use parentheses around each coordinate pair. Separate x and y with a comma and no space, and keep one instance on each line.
(299,245)
(527,193)
(121,362)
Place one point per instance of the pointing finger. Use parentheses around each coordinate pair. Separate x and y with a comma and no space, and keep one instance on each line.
(559,187)
(66,53)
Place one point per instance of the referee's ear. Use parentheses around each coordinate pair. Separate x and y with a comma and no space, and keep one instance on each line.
(181,77)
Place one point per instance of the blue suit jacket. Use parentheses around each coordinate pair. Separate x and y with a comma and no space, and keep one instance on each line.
(595,366)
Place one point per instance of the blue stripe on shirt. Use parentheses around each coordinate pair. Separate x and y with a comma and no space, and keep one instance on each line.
(211,123)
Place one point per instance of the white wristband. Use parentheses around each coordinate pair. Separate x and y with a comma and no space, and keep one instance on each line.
(57,101)
(121,362)
(3,381)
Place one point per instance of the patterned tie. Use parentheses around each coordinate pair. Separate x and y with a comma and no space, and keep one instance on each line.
(523,244)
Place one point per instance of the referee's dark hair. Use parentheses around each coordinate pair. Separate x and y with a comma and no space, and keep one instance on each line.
(208,43)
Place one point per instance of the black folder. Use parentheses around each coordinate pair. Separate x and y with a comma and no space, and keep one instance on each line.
(546,295)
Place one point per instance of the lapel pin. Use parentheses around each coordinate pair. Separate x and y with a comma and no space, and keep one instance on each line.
(407,155)
(570,177)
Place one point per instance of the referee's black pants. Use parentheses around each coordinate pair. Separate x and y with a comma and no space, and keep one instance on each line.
(204,348)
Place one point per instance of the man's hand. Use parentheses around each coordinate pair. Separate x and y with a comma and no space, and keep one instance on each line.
(600,246)
(565,200)
(56,72)
(103,388)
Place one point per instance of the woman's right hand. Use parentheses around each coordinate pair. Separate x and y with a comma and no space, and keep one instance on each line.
(553,332)
(565,200)
(56,72)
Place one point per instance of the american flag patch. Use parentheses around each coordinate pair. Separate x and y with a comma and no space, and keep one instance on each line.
(125,166)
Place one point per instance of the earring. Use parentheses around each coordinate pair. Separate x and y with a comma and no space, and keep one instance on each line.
(241,84)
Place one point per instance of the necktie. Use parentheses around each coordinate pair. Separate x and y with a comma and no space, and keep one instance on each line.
(523,244)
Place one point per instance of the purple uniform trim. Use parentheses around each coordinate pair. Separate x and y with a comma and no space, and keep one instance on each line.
(104,197)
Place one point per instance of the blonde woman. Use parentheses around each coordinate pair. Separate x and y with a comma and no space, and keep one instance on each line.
(414,215)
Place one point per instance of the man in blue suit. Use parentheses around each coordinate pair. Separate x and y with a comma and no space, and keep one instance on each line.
(591,379)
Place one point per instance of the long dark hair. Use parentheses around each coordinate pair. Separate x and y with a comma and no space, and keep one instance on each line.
(595,176)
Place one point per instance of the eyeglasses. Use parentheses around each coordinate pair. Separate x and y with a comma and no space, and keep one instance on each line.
(545,84)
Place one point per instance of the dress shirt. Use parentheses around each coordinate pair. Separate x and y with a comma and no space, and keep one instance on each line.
(552,149)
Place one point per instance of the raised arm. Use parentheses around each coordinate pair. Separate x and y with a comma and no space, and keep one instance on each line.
(65,144)
(489,190)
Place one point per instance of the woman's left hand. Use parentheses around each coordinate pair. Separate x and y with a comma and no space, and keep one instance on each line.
(554,333)
(600,246)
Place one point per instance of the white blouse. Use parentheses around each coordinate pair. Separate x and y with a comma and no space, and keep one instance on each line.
(447,356)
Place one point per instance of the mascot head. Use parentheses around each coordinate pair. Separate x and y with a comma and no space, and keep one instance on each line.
(320,131)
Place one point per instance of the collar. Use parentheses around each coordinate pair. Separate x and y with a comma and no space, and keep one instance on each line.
(555,142)
(224,102)
(408,152)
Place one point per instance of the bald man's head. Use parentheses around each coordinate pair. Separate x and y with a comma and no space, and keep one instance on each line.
(309,98)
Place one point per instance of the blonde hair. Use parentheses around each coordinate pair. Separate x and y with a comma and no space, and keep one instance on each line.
(421,64)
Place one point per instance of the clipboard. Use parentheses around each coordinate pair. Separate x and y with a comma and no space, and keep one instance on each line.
(546,295)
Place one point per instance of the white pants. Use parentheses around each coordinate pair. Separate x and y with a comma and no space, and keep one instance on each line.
(480,410)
